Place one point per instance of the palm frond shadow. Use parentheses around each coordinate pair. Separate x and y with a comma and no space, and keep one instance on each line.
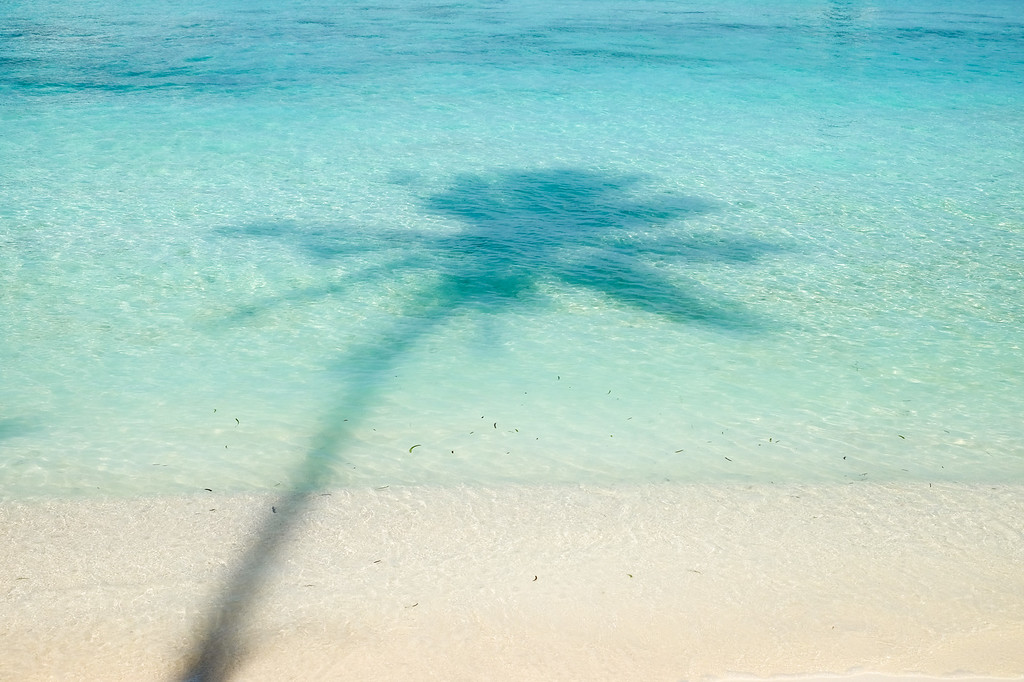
(15,427)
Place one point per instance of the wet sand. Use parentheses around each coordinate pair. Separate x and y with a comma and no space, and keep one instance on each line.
(656,582)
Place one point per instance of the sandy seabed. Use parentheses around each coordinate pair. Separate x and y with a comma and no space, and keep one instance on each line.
(655,582)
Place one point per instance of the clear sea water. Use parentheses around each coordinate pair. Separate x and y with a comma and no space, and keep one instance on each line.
(254,245)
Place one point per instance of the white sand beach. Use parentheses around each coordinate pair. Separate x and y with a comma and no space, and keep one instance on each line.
(657,582)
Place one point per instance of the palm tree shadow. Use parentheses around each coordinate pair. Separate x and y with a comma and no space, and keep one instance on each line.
(515,234)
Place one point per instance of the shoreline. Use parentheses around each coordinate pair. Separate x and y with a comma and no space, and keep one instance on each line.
(662,581)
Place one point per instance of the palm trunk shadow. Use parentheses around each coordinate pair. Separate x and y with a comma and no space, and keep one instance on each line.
(220,648)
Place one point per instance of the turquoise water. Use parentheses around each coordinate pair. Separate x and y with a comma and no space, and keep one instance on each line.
(263,245)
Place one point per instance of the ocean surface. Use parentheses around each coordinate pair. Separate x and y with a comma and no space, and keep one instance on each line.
(274,245)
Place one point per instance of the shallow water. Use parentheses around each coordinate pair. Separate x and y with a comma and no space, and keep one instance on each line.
(248,247)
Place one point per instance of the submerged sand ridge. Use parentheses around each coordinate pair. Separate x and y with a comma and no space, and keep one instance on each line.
(538,583)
